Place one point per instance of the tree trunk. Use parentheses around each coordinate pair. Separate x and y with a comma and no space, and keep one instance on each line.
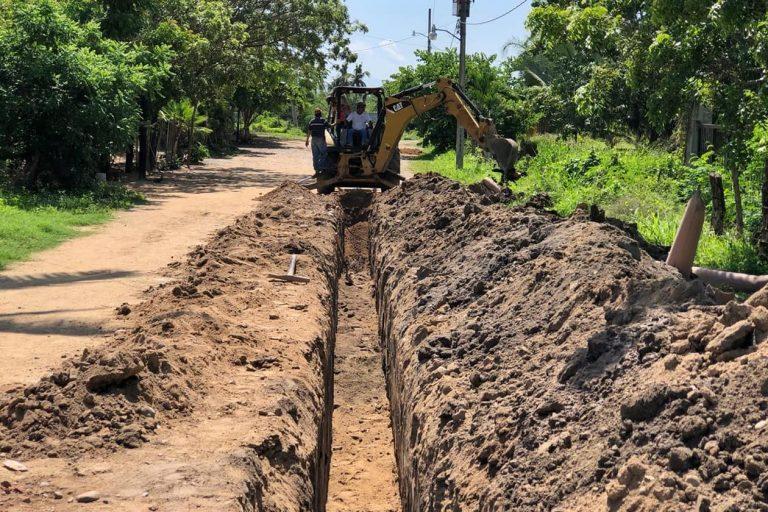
(106,165)
(32,170)
(144,138)
(154,138)
(237,128)
(739,209)
(247,119)
(762,242)
(176,131)
(718,203)
(129,158)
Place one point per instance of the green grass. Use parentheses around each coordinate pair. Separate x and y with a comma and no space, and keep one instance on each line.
(283,136)
(410,135)
(268,125)
(475,168)
(31,222)
(633,183)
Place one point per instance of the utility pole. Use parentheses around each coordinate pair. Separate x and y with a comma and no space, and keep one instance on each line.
(429,31)
(461,9)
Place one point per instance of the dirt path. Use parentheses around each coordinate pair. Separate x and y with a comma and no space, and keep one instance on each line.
(363,475)
(63,300)
(228,410)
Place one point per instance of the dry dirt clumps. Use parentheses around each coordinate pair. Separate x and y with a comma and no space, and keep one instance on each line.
(539,363)
(221,321)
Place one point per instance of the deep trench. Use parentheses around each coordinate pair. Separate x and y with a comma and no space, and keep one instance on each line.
(362,474)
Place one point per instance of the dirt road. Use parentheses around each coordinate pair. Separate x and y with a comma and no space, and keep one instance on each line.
(64,299)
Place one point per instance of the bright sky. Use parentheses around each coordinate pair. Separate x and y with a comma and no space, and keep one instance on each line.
(394,20)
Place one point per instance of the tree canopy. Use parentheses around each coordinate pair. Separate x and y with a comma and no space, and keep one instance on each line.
(489,84)
(80,80)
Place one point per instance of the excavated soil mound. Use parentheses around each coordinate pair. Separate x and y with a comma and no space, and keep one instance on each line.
(218,319)
(540,363)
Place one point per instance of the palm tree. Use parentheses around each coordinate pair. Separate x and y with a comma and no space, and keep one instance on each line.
(356,78)
(179,115)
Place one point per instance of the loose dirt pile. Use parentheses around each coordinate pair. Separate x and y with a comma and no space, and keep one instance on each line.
(531,362)
(539,363)
(222,321)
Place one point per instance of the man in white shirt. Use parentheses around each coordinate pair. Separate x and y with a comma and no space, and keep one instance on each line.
(358,122)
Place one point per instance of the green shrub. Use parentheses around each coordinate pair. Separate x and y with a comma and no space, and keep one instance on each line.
(271,124)
(198,153)
(67,94)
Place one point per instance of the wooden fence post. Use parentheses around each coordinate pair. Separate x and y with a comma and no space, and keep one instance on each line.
(718,203)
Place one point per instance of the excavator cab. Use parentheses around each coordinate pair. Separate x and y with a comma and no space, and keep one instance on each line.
(347,97)
(345,163)
(375,162)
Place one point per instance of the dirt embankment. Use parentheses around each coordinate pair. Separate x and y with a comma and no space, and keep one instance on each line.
(538,363)
(531,362)
(220,340)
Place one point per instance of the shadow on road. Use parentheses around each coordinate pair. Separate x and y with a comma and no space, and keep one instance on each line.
(58,328)
(229,173)
(46,312)
(29,281)
(203,181)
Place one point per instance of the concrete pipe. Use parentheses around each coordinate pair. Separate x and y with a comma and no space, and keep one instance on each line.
(731,280)
(683,250)
(491,186)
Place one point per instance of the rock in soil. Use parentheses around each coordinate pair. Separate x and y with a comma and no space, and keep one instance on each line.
(88,497)
(14,465)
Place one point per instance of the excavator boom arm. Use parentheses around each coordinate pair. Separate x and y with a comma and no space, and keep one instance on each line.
(403,107)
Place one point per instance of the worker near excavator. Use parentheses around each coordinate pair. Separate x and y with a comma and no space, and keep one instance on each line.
(358,124)
(341,124)
(316,132)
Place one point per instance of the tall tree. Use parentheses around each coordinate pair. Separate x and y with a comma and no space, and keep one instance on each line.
(66,93)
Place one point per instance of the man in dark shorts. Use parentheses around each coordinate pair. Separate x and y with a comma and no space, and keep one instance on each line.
(316,131)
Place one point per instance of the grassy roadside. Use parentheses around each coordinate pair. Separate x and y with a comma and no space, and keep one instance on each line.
(281,135)
(268,125)
(475,168)
(634,183)
(31,222)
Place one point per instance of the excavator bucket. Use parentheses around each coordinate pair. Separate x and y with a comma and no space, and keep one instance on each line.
(506,152)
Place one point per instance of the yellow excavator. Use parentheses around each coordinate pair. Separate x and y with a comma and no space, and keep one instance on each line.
(376,164)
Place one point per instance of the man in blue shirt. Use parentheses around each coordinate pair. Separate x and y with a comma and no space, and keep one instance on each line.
(316,130)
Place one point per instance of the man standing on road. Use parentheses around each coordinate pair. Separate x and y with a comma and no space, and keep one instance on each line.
(316,130)
(358,120)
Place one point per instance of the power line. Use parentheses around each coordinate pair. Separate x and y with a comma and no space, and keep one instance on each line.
(385,44)
(502,15)
(453,39)
(389,39)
